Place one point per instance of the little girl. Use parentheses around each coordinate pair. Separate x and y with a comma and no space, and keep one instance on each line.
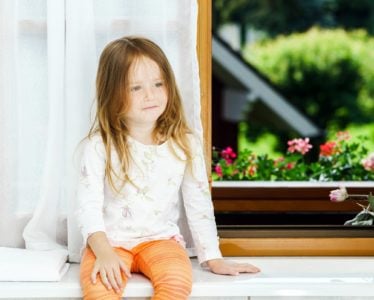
(137,157)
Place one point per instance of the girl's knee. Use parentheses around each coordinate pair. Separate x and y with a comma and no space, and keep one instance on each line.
(174,286)
(99,291)
(172,291)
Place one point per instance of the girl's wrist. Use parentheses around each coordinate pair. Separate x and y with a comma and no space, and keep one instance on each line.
(99,244)
(210,263)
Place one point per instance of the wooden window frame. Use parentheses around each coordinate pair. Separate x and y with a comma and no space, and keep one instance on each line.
(231,244)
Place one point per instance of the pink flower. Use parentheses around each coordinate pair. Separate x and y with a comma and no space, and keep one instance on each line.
(343,135)
(228,154)
(339,195)
(218,170)
(368,162)
(299,145)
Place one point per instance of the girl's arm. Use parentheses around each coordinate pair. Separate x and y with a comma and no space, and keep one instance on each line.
(200,214)
(90,192)
(90,201)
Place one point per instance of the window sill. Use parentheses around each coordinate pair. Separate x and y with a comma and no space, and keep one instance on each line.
(280,277)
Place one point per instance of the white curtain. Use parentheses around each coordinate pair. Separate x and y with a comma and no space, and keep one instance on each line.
(48,60)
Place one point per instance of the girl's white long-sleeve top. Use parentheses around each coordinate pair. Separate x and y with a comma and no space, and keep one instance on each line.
(148,209)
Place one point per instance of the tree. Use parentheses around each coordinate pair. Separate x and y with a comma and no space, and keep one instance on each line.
(326,74)
(288,16)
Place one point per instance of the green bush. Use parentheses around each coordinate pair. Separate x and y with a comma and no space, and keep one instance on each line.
(327,74)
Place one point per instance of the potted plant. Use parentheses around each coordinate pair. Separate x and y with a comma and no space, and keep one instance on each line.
(339,160)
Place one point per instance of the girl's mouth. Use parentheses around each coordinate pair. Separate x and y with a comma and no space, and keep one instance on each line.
(150,107)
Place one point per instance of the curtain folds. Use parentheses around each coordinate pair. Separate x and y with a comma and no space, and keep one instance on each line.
(48,60)
(41,231)
(8,115)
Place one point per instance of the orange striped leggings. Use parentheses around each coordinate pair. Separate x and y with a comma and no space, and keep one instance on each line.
(164,262)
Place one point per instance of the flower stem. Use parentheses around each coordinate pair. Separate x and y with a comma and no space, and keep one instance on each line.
(365,197)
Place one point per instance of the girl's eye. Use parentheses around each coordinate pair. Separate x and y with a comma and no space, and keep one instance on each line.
(135,88)
(159,84)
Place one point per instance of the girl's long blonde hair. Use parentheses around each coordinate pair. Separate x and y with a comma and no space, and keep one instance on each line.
(112,94)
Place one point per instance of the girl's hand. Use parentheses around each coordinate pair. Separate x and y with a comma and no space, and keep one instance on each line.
(220,266)
(110,266)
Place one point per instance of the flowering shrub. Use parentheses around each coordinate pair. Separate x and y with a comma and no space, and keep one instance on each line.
(339,159)
(366,216)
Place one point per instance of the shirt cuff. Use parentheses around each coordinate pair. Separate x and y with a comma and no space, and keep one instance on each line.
(204,257)
(86,232)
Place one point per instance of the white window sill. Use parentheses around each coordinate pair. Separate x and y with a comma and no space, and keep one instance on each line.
(280,277)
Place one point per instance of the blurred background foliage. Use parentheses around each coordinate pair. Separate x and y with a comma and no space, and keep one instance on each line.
(319,55)
(288,16)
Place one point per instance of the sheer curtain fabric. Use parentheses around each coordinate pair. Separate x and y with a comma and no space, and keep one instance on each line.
(48,60)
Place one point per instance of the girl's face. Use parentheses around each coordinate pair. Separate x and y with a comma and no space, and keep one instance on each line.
(147,93)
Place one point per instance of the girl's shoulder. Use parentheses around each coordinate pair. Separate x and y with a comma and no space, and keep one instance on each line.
(93,145)
(94,139)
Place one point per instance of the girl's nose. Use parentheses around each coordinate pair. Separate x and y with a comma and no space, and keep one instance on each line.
(149,93)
